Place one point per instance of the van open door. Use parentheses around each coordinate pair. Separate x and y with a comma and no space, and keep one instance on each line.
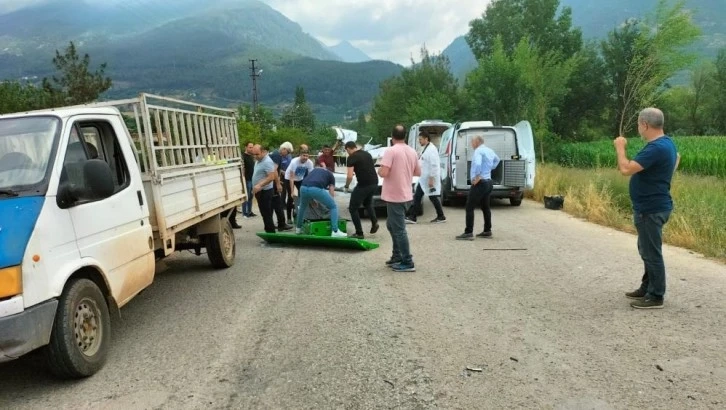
(525,143)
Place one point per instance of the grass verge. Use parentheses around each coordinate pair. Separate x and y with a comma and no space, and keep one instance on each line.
(600,195)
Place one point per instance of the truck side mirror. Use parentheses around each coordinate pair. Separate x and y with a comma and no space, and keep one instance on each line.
(96,183)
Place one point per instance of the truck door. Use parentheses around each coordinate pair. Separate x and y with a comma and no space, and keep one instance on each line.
(115,231)
(525,143)
(462,159)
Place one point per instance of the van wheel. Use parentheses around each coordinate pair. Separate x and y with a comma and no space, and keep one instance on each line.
(81,333)
(515,201)
(221,247)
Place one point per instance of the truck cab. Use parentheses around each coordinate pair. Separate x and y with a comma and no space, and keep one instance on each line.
(86,210)
(513,144)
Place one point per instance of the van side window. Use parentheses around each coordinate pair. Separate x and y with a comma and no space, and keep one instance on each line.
(94,140)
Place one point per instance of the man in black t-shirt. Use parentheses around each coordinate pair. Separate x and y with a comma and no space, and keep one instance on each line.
(361,163)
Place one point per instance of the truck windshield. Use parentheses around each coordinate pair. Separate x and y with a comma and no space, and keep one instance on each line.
(26,145)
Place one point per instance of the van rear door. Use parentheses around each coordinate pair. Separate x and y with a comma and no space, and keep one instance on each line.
(525,143)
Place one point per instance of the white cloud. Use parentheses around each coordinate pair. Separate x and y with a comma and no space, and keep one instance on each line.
(391,30)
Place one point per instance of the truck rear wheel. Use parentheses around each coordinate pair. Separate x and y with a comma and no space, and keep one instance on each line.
(515,201)
(81,333)
(221,247)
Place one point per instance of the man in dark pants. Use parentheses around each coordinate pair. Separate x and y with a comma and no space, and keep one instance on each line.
(398,167)
(361,163)
(482,164)
(263,179)
(281,158)
(249,163)
(430,181)
(652,170)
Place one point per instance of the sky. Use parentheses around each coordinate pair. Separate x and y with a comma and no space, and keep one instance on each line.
(391,30)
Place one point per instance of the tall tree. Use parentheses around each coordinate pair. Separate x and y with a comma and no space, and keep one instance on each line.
(299,115)
(425,90)
(76,84)
(659,54)
(718,104)
(535,20)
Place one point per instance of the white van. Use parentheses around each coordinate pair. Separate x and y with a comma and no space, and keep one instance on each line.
(514,145)
(87,208)
(435,128)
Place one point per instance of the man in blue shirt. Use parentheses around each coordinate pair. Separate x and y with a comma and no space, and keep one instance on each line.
(482,164)
(319,186)
(650,183)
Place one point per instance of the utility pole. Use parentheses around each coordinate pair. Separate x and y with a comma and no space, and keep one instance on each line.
(254,76)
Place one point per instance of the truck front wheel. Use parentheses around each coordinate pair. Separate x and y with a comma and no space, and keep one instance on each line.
(81,333)
(221,247)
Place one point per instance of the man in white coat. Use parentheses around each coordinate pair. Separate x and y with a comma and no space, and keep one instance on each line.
(429,184)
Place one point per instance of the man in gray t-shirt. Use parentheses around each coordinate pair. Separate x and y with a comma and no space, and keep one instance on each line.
(262,185)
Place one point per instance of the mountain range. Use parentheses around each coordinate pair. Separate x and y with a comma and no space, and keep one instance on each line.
(202,50)
(197,50)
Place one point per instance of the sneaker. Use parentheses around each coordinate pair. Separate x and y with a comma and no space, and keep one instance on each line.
(465,237)
(298,231)
(438,220)
(357,236)
(403,267)
(485,234)
(637,294)
(646,303)
(339,234)
(374,228)
(392,261)
(285,228)
(410,221)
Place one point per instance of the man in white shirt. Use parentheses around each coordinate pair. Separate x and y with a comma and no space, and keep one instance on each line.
(298,169)
(429,184)
(482,164)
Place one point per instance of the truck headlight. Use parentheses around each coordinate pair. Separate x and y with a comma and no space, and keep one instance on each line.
(11,281)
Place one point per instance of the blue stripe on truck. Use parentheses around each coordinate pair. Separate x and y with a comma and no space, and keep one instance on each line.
(17,221)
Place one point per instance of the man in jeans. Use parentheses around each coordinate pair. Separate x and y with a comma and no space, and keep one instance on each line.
(361,163)
(319,186)
(650,183)
(263,179)
(249,163)
(482,164)
(398,167)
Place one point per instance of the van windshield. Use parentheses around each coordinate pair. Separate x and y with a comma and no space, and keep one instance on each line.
(26,145)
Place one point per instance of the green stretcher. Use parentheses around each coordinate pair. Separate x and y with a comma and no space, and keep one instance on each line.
(317,233)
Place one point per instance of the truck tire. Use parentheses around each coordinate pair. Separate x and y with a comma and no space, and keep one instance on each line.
(515,201)
(81,333)
(221,247)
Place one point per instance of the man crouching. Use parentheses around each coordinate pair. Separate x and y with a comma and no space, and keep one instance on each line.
(319,186)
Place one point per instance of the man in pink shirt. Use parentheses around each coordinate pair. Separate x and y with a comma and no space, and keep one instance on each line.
(398,167)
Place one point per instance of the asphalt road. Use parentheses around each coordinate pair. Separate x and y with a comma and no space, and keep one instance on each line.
(537,312)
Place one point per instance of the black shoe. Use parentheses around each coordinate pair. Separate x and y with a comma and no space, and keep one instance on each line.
(646,303)
(465,237)
(637,294)
(392,261)
(485,234)
(403,267)
(438,220)
(356,236)
(251,215)
(374,228)
(285,228)
(235,225)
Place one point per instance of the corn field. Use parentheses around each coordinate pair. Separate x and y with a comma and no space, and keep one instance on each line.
(699,155)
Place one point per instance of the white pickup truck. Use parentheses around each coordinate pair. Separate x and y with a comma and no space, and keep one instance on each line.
(87,208)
